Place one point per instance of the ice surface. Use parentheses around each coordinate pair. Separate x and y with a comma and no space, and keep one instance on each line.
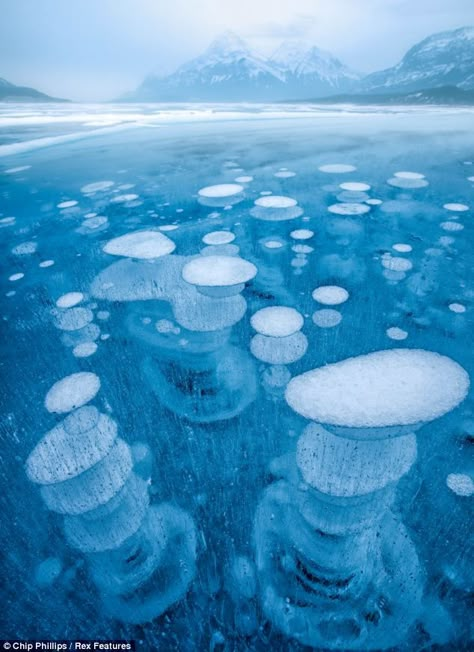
(218,271)
(385,388)
(277,321)
(140,244)
(330,295)
(72,392)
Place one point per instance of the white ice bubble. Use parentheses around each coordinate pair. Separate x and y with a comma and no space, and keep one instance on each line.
(337,168)
(396,264)
(349,209)
(97,186)
(461,484)
(247,179)
(124,199)
(7,221)
(16,277)
(72,392)
(73,319)
(69,300)
(451,226)
(302,234)
(355,186)
(381,389)
(84,350)
(218,271)
(409,175)
(25,248)
(277,321)
(284,174)
(327,318)
(103,314)
(168,227)
(457,307)
(67,204)
(273,243)
(220,191)
(402,248)
(395,333)
(275,201)
(46,263)
(140,244)
(456,208)
(218,238)
(407,182)
(302,249)
(330,295)
(471,179)
(373,202)
(279,350)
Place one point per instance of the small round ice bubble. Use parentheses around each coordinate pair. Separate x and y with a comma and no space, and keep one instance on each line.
(409,175)
(457,307)
(456,208)
(461,484)
(396,264)
(84,350)
(218,238)
(354,186)
(124,199)
(69,300)
(395,333)
(451,226)
(395,387)
(327,318)
(273,244)
(349,209)
(275,201)
(284,174)
(73,319)
(96,187)
(219,191)
(218,271)
(244,179)
(277,321)
(302,234)
(402,248)
(67,204)
(72,392)
(25,248)
(330,295)
(140,244)
(337,168)
(16,277)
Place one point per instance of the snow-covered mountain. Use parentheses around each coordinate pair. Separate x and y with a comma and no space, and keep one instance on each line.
(230,71)
(11,93)
(444,59)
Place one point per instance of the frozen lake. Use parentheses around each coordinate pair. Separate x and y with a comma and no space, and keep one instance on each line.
(194,488)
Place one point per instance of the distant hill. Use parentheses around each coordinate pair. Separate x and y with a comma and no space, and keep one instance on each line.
(11,93)
(446,95)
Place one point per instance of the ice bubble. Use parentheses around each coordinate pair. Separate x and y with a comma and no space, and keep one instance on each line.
(337,466)
(7,221)
(279,350)
(273,243)
(275,201)
(451,226)
(460,484)
(94,487)
(354,186)
(73,319)
(88,333)
(407,183)
(70,299)
(220,191)
(48,571)
(275,208)
(84,350)
(284,174)
(456,208)
(395,333)
(20,168)
(140,244)
(409,175)
(402,248)
(95,223)
(46,263)
(276,376)
(349,209)
(457,307)
(302,234)
(218,271)
(244,179)
(16,277)
(302,249)
(124,199)
(396,264)
(72,392)
(277,321)
(206,314)
(337,168)
(220,250)
(326,318)
(330,295)
(168,227)
(76,444)
(374,202)
(25,248)
(218,238)
(471,179)
(96,187)
(67,204)
(103,315)
(387,388)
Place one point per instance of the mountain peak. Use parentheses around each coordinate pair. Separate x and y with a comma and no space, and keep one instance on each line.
(227,42)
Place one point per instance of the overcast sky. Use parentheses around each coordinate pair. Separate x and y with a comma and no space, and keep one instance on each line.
(97,49)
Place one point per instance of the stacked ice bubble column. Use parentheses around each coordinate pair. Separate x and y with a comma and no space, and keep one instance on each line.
(278,343)
(337,568)
(141,556)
